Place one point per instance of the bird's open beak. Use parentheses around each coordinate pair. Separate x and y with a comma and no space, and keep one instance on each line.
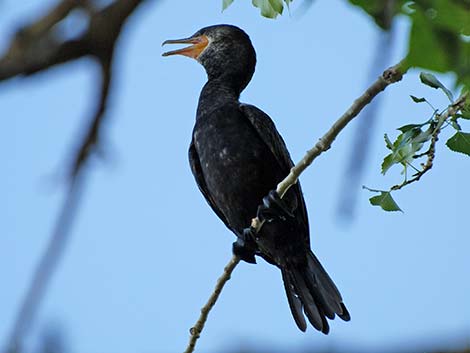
(199,43)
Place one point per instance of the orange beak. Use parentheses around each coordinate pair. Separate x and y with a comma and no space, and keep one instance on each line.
(199,43)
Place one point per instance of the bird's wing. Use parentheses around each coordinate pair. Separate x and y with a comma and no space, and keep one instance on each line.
(271,137)
(201,183)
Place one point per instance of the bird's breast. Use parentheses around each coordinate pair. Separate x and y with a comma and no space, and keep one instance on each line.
(238,168)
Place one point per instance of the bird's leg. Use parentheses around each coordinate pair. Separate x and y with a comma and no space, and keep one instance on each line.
(245,246)
(274,208)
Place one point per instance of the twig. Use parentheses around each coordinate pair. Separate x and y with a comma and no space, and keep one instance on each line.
(196,330)
(452,110)
(391,75)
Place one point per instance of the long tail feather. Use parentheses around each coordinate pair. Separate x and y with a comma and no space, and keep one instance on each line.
(294,303)
(311,289)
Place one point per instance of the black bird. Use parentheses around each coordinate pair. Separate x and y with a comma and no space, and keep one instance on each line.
(237,156)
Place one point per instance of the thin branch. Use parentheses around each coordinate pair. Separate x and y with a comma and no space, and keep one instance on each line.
(196,330)
(431,152)
(391,75)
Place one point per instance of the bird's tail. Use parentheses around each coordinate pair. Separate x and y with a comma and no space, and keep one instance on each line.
(309,289)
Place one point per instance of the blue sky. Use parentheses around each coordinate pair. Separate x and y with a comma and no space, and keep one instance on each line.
(146,250)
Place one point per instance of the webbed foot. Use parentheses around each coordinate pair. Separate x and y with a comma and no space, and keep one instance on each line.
(273,208)
(245,246)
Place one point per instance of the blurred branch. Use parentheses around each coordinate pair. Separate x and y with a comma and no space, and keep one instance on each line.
(359,150)
(36,48)
(390,76)
(91,138)
(48,262)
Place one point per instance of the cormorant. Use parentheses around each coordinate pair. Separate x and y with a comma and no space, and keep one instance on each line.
(237,156)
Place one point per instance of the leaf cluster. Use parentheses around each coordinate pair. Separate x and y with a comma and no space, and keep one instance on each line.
(268,8)
(413,138)
(439,39)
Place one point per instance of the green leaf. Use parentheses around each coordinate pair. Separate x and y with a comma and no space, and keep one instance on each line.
(423,136)
(463,62)
(439,35)
(452,15)
(277,5)
(460,142)
(465,112)
(265,7)
(404,148)
(380,10)
(387,163)
(462,116)
(385,201)
(426,48)
(455,125)
(226,3)
(388,143)
(406,138)
(408,127)
(417,100)
(431,81)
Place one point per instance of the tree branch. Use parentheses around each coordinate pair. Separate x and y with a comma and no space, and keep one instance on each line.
(45,268)
(36,48)
(196,330)
(391,75)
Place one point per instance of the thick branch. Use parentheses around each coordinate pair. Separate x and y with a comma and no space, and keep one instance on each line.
(391,75)
(36,48)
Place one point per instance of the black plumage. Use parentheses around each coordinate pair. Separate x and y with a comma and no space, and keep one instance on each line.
(237,156)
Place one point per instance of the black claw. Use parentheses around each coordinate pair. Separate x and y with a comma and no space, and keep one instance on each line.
(249,236)
(273,207)
(245,246)
(243,253)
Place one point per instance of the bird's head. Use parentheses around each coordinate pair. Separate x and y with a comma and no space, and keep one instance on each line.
(224,51)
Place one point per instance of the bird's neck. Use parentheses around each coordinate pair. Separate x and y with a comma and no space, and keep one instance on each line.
(216,93)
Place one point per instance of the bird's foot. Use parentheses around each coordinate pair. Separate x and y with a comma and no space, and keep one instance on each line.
(245,246)
(273,208)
